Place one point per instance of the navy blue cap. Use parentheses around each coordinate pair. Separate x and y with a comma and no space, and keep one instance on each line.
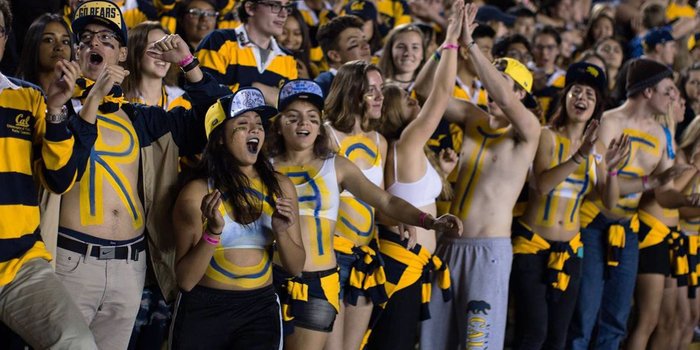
(588,74)
(487,13)
(363,9)
(101,12)
(657,36)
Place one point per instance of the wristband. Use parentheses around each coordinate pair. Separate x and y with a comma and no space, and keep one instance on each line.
(436,56)
(645,182)
(613,173)
(469,46)
(185,61)
(207,237)
(190,66)
(421,219)
(450,47)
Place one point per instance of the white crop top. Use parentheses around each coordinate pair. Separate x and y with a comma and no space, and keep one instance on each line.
(318,196)
(257,234)
(420,193)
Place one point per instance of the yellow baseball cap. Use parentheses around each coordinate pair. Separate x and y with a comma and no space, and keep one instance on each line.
(231,106)
(520,74)
(101,12)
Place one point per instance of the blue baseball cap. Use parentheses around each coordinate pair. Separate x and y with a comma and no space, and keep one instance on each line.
(487,13)
(657,36)
(101,12)
(363,9)
(588,74)
(300,89)
(231,106)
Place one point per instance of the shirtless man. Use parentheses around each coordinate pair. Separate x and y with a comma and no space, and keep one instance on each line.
(101,256)
(497,151)
(611,246)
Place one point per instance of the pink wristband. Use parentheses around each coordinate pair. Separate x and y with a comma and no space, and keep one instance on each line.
(421,219)
(450,47)
(209,238)
(613,173)
(185,61)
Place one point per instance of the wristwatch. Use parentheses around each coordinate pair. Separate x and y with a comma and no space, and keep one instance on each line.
(59,117)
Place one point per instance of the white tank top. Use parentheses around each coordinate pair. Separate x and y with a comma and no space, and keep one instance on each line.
(420,193)
(375,174)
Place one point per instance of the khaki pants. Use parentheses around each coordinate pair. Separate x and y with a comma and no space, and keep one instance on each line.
(37,307)
(107,292)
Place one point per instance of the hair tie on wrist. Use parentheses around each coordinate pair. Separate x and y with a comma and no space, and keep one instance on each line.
(450,47)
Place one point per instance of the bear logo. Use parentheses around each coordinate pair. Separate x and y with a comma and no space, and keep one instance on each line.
(478,306)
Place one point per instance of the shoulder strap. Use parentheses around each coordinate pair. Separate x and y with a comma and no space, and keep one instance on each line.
(337,141)
(396,162)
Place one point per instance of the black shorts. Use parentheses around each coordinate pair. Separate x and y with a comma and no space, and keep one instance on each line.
(655,259)
(207,318)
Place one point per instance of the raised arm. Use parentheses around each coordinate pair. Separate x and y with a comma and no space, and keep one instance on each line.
(352,179)
(500,90)
(418,132)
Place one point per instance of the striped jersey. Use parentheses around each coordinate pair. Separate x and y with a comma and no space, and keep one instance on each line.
(234,60)
(29,146)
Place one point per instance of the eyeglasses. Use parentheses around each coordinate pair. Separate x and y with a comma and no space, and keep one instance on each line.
(276,7)
(520,56)
(104,36)
(198,13)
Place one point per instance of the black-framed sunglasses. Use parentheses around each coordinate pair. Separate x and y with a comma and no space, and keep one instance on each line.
(104,36)
(195,12)
(276,7)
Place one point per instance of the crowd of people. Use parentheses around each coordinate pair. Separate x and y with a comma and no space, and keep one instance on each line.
(350,174)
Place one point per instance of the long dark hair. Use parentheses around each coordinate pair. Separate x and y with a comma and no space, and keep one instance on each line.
(219,165)
(346,97)
(28,68)
(561,117)
(304,52)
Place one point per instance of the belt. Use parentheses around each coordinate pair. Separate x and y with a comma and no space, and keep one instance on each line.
(125,252)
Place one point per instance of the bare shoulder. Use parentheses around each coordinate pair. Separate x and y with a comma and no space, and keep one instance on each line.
(195,189)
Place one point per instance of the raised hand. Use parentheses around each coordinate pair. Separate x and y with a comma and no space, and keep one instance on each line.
(171,48)
(210,211)
(468,24)
(448,224)
(61,89)
(447,160)
(590,136)
(110,76)
(617,152)
(454,26)
(284,215)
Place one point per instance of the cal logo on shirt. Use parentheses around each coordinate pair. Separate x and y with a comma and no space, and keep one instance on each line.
(22,125)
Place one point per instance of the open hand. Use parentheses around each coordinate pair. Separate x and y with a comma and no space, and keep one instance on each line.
(469,23)
(617,152)
(447,160)
(590,136)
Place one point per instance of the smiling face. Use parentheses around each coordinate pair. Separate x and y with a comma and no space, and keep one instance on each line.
(300,125)
(199,20)
(152,67)
(101,50)
(602,28)
(54,46)
(291,37)
(580,103)
(263,19)
(407,52)
(373,95)
(243,137)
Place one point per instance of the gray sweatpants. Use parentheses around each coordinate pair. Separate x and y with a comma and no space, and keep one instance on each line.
(476,316)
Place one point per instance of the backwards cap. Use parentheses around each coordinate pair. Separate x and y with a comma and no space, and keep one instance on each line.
(231,106)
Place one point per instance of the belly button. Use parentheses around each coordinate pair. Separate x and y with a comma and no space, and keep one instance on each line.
(115,212)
